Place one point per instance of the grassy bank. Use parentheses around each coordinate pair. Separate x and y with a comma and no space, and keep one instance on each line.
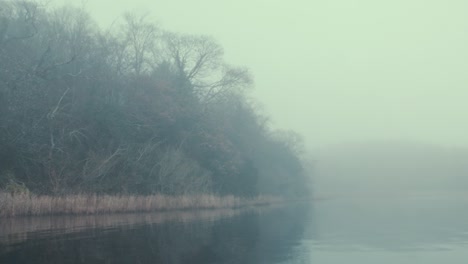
(33,205)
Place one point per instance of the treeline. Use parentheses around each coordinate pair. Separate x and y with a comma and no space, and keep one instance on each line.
(132,109)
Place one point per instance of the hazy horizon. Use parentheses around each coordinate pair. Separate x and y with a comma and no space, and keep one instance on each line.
(131,109)
(337,71)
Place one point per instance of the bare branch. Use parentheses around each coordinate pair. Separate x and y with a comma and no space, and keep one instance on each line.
(51,115)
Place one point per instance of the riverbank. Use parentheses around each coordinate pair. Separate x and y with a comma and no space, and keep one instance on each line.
(86,204)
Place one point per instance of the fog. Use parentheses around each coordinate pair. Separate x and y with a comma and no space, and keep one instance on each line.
(341,121)
(345,75)
(390,168)
(337,71)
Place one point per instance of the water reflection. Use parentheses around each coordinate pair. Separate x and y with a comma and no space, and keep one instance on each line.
(265,236)
(15,230)
(406,229)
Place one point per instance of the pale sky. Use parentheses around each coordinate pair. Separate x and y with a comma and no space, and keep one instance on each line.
(337,70)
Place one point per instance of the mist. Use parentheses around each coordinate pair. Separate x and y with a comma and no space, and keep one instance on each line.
(212,131)
(337,71)
(342,73)
(390,168)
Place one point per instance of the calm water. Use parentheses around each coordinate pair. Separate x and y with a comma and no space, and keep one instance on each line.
(418,229)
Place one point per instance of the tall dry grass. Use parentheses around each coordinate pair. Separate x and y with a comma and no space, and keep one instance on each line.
(82,204)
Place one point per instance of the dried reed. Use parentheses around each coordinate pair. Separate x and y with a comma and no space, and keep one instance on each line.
(85,204)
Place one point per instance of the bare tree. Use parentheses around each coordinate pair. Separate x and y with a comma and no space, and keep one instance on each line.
(138,43)
(198,60)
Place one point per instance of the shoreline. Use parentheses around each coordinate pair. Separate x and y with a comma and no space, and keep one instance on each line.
(13,205)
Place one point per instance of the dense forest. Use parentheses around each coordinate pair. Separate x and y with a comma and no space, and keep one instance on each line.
(131,109)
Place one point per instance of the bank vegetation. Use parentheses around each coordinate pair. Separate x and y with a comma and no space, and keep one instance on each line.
(133,114)
(82,204)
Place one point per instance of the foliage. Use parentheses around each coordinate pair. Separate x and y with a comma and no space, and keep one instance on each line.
(139,110)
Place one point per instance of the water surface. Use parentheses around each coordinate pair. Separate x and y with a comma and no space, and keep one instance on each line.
(400,229)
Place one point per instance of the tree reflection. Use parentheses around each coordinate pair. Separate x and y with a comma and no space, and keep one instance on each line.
(252,237)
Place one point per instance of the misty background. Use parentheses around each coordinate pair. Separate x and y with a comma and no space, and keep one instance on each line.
(377,89)
(336,71)
(122,106)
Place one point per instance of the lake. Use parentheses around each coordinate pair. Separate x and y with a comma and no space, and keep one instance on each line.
(356,229)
